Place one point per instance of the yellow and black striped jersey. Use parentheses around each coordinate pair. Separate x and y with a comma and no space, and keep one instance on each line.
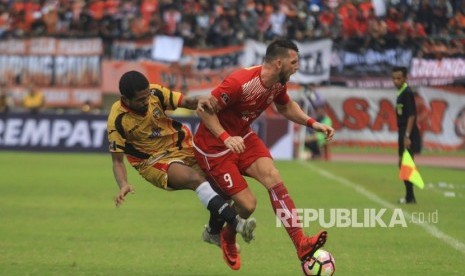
(141,136)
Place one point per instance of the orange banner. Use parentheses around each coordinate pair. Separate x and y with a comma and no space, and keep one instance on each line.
(200,70)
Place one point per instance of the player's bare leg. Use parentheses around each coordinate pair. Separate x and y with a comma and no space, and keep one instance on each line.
(181,177)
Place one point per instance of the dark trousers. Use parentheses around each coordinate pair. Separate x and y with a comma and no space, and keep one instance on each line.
(415,147)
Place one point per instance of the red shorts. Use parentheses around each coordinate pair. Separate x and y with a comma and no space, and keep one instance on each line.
(227,170)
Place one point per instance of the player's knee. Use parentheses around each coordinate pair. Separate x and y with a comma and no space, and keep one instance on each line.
(194,180)
(273,175)
(197,178)
(248,207)
(197,181)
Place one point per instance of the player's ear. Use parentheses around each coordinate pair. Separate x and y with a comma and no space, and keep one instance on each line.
(124,99)
(278,63)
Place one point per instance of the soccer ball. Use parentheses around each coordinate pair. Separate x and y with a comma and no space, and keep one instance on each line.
(321,263)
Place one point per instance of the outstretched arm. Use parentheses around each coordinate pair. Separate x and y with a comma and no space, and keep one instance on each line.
(189,102)
(119,172)
(199,103)
(294,113)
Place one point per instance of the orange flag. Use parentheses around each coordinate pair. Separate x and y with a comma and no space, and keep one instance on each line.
(408,171)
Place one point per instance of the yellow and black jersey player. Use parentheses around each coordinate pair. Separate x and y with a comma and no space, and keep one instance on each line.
(160,148)
(148,136)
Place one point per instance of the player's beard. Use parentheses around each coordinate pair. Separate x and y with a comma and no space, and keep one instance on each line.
(283,78)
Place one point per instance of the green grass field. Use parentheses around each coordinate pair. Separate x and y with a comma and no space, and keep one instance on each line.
(57,218)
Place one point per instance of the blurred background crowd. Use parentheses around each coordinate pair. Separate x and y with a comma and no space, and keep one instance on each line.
(433,28)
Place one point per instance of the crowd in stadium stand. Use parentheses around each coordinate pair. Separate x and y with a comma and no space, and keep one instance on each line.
(434,28)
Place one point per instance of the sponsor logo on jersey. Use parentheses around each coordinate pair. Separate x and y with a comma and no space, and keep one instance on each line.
(112,146)
(225,98)
(399,108)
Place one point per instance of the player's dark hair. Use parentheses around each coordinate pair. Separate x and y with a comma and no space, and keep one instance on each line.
(132,82)
(279,48)
(402,69)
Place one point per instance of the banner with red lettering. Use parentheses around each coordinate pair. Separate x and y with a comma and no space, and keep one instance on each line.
(367,117)
(446,68)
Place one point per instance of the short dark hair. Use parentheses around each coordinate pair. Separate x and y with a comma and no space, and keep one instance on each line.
(402,69)
(132,82)
(279,48)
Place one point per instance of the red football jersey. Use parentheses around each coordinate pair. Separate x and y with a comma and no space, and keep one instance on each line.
(242,98)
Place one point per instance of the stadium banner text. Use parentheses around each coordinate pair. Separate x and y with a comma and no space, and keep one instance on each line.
(372,68)
(314,59)
(51,62)
(367,117)
(87,133)
(369,63)
(67,71)
(200,70)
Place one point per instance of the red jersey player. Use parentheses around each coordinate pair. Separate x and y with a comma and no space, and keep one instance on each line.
(226,147)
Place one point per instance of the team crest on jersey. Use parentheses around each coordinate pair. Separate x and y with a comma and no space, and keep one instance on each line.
(157,113)
(156,132)
(270,99)
(224,97)
(249,115)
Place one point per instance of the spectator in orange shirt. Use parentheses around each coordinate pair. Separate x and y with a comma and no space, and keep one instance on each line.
(458,21)
(349,22)
(347,9)
(147,8)
(393,21)
(367,8)
(328,21)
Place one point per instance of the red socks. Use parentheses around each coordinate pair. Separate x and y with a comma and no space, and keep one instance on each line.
(283,205)
(229,233)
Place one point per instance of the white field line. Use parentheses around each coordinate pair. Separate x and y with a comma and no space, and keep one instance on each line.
(430,229)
